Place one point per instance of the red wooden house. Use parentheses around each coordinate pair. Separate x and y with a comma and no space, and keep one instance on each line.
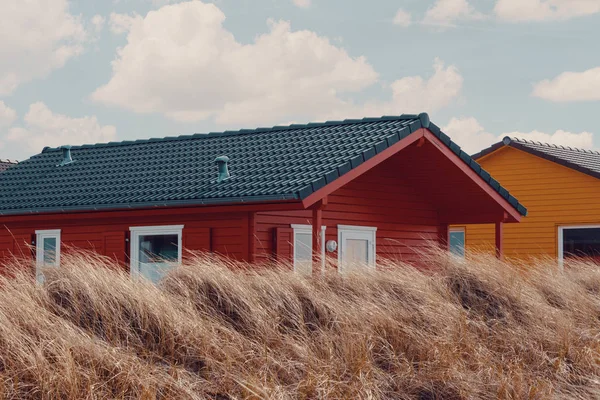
(356,190)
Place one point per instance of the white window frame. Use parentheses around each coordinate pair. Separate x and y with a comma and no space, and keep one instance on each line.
(40,235)
(368,233)
(464,232)
(307,229)
(134,242)
(561,228)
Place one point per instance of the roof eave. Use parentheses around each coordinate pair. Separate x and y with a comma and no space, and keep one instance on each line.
(157,204)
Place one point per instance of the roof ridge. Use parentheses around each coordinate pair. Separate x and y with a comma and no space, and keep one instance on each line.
(8,161)
(275,128)
(554,145)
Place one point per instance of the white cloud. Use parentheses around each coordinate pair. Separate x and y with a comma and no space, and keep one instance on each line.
(445,13)
(7,115)
(302,3)
(472,137)
(181,61)
(469,134)
(98,22)
(415,94)
(43,128)
(402,18)
(544,10)
(410,95)
(37,37)
(570,86)
(121,23)
(159,3)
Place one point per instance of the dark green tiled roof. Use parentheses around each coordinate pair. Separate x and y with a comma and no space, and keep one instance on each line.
(585,161)
(266,164)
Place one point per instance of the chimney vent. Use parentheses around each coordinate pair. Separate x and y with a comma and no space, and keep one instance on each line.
(66,153)
(223,169)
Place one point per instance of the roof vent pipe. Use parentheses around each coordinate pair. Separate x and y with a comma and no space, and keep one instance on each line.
(66,153)
(223,169)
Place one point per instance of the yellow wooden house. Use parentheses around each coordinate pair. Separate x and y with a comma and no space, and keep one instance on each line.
(560,187)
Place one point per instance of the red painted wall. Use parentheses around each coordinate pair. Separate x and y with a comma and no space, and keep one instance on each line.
(106,232)
(406,221)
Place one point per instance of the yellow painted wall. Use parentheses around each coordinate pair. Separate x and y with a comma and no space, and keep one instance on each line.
(553,194)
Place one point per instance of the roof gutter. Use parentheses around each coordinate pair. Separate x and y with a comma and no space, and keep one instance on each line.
(249,200)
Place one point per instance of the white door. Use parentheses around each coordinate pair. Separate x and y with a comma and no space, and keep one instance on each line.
(356,247)
(47,251)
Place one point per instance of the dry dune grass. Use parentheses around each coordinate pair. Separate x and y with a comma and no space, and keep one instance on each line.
(216,330)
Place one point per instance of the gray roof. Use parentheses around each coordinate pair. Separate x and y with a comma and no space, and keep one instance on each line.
(585,161)
(266,164)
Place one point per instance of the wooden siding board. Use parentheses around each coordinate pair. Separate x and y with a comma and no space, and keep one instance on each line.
(115,246)
(283,245)
(22,245)
(251,237)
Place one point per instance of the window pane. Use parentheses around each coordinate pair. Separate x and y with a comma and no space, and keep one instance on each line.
(49,251)
(457,243)
(357,251)
(303,253)
(158,254)
(158,248)
(303,246)
(581,242)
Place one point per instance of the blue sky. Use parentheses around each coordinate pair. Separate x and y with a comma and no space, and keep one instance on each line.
(89,71)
